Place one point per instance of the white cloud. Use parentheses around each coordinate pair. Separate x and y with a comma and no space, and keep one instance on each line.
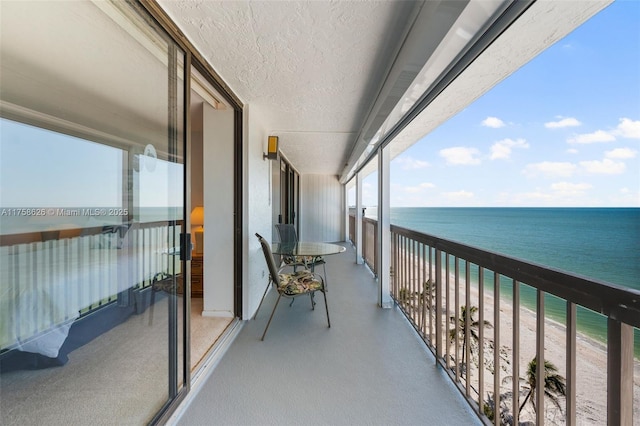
(621,153)
(538,196)
(493,122)
(572,151)
(502,149)
(369,194)
(595,137)
(628,128)
(563,122)
(409,163)
(569,189)
(460,155)
(418,188)
(604,167)
(557,194)
(550,169)
(626,197)
(458,195)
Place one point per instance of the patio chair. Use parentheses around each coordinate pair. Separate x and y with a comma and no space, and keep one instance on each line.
(292,285)
(287,233)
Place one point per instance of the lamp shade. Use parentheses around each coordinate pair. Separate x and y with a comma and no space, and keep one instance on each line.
(197,216)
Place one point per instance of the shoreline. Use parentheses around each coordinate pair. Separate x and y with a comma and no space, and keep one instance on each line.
(590,363)
(591,360)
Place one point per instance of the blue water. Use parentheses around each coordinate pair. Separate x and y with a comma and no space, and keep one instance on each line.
(600,243)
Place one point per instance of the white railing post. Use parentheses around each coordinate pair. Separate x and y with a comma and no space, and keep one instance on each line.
(345,197)
(383,249)
(358,230)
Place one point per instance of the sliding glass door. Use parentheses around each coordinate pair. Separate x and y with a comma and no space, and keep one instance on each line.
(91,212)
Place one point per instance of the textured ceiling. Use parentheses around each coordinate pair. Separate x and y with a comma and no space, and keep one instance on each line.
(313,69)
(323,74)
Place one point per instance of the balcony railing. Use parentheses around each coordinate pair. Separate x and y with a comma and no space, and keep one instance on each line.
(470,307)
(369,242)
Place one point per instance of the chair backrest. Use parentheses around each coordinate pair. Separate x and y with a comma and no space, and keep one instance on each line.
(268,256)
(287,233)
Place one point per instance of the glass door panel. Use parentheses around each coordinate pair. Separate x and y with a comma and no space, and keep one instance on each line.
(91,212)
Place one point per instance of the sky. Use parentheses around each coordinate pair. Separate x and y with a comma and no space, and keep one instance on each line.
(35,163)
(564,130)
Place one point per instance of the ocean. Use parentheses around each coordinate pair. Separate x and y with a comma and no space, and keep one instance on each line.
(600,243)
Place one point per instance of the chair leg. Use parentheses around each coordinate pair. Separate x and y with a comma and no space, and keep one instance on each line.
(313,302)
(327,309)
(271,317)
(324,268)
(262,300)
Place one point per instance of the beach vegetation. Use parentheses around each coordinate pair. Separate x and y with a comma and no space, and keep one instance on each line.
(460,329)
(489,408)
(554,384)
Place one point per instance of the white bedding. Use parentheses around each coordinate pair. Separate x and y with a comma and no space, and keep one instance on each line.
(45,285)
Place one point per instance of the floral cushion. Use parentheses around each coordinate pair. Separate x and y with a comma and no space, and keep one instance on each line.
(299,282)
(302,260)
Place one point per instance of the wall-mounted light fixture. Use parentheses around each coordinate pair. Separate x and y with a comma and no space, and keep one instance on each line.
(272,149)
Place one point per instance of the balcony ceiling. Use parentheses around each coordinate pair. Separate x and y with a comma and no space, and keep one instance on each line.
(324,76)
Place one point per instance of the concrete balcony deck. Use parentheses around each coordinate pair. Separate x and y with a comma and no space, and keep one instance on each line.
(369,368)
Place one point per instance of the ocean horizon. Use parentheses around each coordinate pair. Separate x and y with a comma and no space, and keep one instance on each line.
(597,243)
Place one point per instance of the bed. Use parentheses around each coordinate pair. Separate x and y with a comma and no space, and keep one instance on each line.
(46,287)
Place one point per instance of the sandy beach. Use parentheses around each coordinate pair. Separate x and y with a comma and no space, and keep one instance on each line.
(591,361)
(591,364)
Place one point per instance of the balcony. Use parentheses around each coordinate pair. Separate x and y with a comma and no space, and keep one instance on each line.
(373,367)
(370,367)
(526,311)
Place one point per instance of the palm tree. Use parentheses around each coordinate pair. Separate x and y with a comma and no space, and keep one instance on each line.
(554,384)
(461,329)
(428,294)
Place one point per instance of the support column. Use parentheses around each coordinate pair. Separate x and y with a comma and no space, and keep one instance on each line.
(345,200)
(383,248)
(359,258)
(619,373)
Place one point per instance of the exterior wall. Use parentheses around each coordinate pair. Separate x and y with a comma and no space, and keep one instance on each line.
(321,208)
(258,200)
(218,155)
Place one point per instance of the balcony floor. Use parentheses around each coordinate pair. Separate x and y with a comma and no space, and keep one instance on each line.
(369,368)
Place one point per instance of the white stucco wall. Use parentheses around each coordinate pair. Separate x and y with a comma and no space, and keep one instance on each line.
(321,208)
(217,155)
(257,199)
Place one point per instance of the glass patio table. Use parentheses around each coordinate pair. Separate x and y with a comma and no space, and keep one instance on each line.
(306,249)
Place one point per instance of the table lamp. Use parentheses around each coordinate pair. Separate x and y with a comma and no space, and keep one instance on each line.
(197,220)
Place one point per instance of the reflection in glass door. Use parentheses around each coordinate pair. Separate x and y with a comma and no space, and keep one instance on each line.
(91,212)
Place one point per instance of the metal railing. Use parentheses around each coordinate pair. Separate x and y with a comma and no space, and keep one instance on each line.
(369,240)
(369,243)
(352,229)
(487,319)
